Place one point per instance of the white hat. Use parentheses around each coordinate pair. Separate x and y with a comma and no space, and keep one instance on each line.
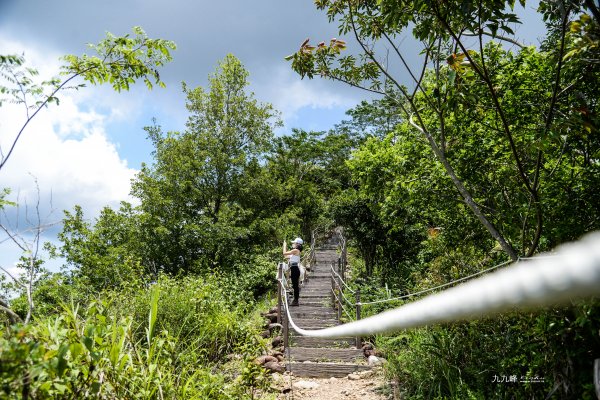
(298,241)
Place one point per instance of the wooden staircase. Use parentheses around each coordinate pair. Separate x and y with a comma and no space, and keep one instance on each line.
(316,357)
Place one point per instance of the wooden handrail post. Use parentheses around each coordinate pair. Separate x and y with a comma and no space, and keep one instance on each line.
(332,288)
(339,302)
(279,291)
(286,331)
(358,309)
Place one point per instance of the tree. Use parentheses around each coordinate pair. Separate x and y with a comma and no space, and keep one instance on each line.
(191,195)
(105,255)
(119,61)
(29,242)
(460,72)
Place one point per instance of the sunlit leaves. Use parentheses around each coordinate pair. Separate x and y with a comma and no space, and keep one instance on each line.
(121,61)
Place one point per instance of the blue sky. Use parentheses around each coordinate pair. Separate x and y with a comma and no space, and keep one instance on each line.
(87,150)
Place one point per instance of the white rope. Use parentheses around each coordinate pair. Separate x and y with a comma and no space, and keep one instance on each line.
(437,287)
(340,303)
(347,301)
(573,273)
(342,280)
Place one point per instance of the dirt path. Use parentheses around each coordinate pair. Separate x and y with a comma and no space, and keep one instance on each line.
(367,385)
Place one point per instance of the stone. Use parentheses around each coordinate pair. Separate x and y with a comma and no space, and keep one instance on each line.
(274,366)
(354,377)
(265,334)
(272,318)
(265,359)
(373,360)
(306,385)
(277,341)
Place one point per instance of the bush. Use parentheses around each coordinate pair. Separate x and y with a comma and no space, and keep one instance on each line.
(146,344)
(501,357)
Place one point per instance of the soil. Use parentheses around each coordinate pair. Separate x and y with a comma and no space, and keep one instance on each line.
(367,385)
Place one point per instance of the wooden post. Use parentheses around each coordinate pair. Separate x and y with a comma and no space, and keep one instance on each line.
(339,302)
(344,262)
(332,289)
(358,309)
(597,377)
(279,291)
(286,330)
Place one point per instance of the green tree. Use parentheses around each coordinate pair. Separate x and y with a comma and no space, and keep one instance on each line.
(190,197)
(460,74)
(105,255)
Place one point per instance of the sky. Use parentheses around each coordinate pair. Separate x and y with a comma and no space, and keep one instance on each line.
(86,150)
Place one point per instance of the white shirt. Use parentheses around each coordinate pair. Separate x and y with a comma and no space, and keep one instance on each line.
(295,259)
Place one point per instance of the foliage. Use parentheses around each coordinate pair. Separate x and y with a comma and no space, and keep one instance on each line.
(143,346)
(500,358)
(207,316)
(105,255)
(191,195)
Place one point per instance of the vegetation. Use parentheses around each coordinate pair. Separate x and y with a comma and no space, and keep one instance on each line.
(489,154)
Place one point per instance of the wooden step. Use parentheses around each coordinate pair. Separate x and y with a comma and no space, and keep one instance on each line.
(316,302)
(316,295)
(326,354)
(324,370)
(305,341)
(312,311)
(311,323)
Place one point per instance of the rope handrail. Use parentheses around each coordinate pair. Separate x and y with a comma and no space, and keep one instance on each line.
(350,303)
(573,273)
(340,303)
(366,303)
(342,280)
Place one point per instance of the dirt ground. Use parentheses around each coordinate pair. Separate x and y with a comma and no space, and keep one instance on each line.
(368,385)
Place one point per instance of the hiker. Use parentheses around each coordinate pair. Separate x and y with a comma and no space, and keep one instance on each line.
(294,261)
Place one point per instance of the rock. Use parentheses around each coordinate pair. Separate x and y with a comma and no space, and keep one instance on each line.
(274,366)
(273,326)
(368,353)
(306,385)
(354,377)
(368,346)
(374,360)
(333,379)
(272,318)
(265,334)
(273,310)
(265,359)
(367,373)
(277,341)
(279,358)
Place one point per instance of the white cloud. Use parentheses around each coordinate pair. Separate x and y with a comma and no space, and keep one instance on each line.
(290,95)
(65,147)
